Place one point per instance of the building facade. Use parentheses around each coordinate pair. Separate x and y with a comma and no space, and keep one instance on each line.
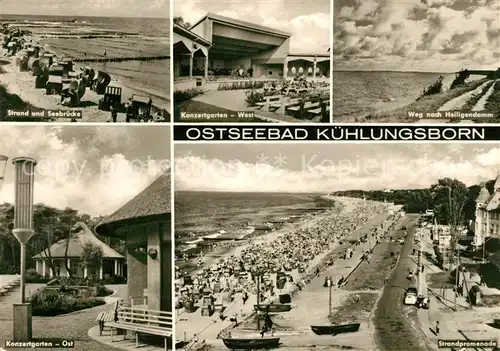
(487,222)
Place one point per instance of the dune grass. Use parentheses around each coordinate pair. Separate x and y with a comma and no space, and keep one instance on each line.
(426,104)
(474,99)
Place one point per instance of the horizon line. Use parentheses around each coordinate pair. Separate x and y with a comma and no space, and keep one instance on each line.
(397,71)
(50,15)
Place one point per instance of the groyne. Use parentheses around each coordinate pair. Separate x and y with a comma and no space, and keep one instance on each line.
(122,59)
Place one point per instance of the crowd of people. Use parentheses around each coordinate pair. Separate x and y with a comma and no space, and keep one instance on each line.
(281,263)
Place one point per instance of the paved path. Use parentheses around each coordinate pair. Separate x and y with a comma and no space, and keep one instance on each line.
(72,326)
(393,320)
(480,105)
(457,103)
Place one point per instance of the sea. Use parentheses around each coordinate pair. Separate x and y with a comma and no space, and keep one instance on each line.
(93,37)
(204,213)
(357,94)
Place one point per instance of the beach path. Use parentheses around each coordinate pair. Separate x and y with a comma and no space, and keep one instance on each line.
(480,105)
(460,101)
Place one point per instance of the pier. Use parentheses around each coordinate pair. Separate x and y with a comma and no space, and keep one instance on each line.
(122,59)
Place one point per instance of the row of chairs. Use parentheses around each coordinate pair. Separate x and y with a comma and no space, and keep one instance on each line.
(4,290)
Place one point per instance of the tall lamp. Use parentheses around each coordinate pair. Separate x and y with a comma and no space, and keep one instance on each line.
(24,169)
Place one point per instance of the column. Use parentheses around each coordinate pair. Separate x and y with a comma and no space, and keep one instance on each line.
(100,272)
(44,265)
(191,66)
(85,272)
(314,68)
(285,68)
(37,266)
(68,265)
(116,267)
(206,67)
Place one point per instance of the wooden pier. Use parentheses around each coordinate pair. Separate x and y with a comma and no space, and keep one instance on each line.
(122,59)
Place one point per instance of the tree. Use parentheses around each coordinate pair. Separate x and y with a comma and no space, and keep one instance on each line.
(180,22)
(92,260)
(450,198)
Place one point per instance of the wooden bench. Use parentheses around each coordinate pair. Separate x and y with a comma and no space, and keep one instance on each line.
(107,316)
(143,321)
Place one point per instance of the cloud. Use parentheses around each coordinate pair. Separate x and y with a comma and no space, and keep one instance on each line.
(428,35)
(83,172)
(409,168)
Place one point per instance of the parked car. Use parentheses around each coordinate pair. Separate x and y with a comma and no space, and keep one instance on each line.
(410,296)
(423,302)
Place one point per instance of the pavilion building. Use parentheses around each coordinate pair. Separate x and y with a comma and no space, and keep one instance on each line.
(222,45)
(71,249)
(145,224)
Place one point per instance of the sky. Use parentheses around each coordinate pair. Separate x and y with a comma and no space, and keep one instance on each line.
(308,21)
(104,8)
(93,169)
(323,168)
(416,35)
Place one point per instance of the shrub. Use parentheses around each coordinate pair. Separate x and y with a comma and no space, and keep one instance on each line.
(460,79)
(54,302)
(184,95)
(101,291)
(243,84)
(254,96)
(32,276)
(434,88)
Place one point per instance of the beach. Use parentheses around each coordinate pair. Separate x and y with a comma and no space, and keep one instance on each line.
(301,250)
(133,52)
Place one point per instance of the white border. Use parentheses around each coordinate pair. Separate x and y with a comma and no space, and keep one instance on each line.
(331,61)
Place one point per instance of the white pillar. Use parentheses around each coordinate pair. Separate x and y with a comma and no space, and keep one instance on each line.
(100,272)
(314,68)
(285,68)
(190,65)
(44,265)
(116,267)
(37,266)
(85,272)
(68,265)
(206,67)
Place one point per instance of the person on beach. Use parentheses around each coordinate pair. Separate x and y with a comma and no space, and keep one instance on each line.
(114,114)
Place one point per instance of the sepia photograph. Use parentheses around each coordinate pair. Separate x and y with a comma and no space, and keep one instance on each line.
(251,61)
(332,247)
(426,61)
(89,61)
(85,237)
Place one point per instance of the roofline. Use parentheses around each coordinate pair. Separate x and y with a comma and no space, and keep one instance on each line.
(241,24)
(309,54)
(109,229)
(197,37)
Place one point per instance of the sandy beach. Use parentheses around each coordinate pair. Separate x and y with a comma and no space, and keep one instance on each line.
(191,323)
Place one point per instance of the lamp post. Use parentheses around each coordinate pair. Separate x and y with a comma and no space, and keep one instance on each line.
(24,168)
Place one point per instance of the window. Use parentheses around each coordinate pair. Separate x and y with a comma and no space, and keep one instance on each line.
(270,73)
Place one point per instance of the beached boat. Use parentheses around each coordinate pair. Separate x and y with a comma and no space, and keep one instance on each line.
(273,308)
(251,344)
(335,329)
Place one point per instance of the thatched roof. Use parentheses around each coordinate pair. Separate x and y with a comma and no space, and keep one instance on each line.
(76,242)
(150,204)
